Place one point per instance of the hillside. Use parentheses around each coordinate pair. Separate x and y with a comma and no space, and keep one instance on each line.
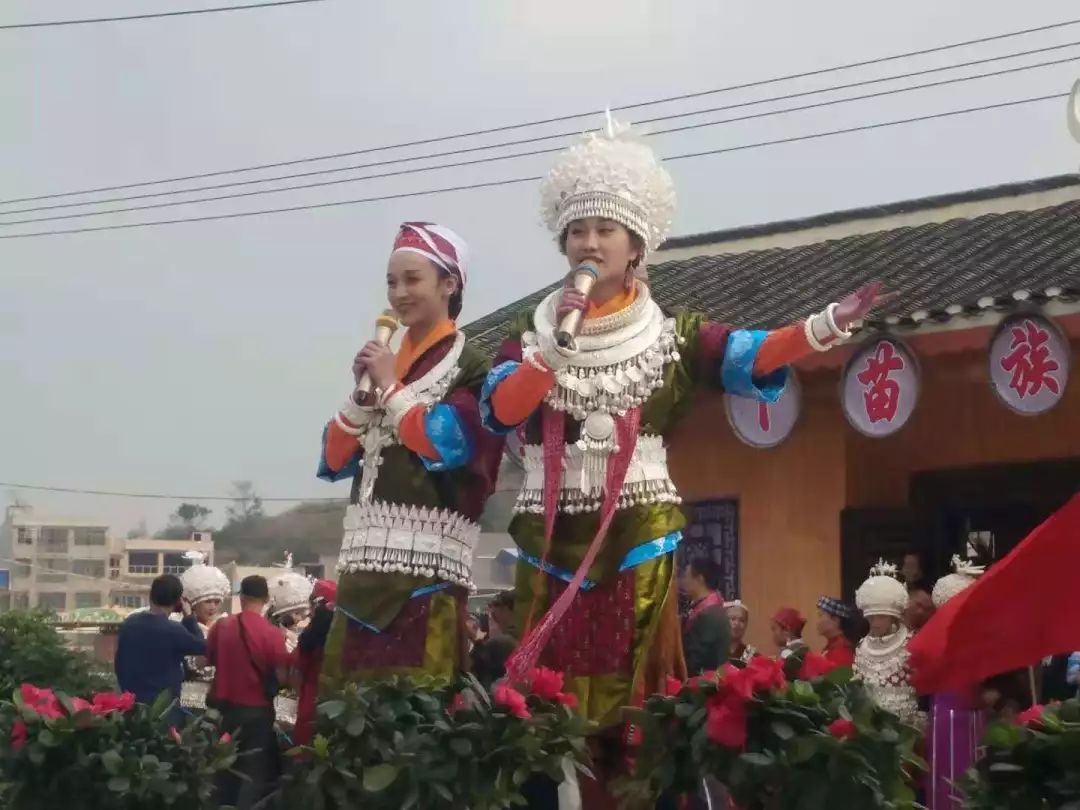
(307,530)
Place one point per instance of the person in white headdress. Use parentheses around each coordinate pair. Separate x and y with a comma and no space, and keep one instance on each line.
(956,720)
(881,659)
(205,589)
(741,652)
(598,517)
(289,608)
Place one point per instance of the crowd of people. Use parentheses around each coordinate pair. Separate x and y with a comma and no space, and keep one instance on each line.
(258,667)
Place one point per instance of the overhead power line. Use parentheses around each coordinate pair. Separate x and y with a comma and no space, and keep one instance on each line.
(158,15)
(552,120)
(532,153)
(541,138)
(517,180)
(155,496)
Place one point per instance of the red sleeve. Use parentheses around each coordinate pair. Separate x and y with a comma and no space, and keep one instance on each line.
(340,446)
(842,656)
(782,348)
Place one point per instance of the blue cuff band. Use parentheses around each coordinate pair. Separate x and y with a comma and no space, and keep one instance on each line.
(444,430)
(737,368)
(487,412)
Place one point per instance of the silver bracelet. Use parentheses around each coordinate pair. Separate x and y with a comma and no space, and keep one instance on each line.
(830,321)
(811,338)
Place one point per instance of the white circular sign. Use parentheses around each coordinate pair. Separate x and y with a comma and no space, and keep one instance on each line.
(765,424)
(1029,364)
(879,387)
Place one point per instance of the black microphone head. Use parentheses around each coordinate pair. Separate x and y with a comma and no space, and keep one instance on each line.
(588,267)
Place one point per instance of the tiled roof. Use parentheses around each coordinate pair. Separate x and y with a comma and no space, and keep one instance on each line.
(938,270)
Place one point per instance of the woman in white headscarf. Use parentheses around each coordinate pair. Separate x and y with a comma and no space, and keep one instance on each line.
(422,468)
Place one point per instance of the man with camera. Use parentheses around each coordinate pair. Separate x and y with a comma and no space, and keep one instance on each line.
(150,648)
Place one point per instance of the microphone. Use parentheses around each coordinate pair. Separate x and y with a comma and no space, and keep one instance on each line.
(585,276)
(385,326)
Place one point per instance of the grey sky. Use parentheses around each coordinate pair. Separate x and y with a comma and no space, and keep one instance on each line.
(180,358)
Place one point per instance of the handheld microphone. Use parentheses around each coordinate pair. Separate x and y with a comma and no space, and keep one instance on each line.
(385,326)
(585,276)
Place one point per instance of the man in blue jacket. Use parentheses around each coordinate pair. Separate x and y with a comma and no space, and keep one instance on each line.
(151,648)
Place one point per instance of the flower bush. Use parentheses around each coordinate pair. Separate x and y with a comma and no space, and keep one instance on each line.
(815,741)
(405,744)
(105,753)
(31,651)
(1032,764)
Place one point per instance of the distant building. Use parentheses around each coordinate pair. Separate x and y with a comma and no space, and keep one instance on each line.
(64,564)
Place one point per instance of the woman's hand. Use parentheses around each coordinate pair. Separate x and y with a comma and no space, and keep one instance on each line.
(571,300)
(859,304)
(378,361)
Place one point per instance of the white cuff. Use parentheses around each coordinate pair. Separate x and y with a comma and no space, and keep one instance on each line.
(353,418)
(830,321)
(813,327)
(534,358)
(554,356)
(397,402)
(821,330)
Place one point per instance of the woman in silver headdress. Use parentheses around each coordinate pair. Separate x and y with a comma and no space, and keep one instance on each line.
(881,660)
(598,518)
(205,588)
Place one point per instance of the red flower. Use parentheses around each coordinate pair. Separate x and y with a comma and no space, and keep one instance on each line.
(1031,717)
(842,729)
(41,701)
(108,702)
(726,724)
(458,704)
(174,734)
(79,705)
(568,699)
(765,673)
(672,686)
(19,735)
(815,665)
(512,700)
(225,738)
(546,683)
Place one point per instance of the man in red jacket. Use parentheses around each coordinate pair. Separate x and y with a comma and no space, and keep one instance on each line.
(250,658)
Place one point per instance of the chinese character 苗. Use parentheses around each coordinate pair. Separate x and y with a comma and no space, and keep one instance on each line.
(1029,361)
(882,394)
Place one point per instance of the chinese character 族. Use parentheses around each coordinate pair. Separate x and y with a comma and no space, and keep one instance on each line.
(882,394)
(1029,361)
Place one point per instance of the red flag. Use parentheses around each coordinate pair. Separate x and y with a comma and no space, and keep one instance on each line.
(1026,607)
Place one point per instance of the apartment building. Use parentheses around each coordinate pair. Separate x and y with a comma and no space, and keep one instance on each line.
(65,564)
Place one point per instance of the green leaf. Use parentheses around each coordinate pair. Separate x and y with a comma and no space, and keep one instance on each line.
(461,747)
(1003,735)
(782,730)
(119,784)
(379,777)
(332,709)
(112,761)
(356,726)
(756,759)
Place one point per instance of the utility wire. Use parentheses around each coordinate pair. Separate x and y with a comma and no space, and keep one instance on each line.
(491,159)
(556,119)
(155,496)
(516,180)
(184,13)
(473,149)
(116,583)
